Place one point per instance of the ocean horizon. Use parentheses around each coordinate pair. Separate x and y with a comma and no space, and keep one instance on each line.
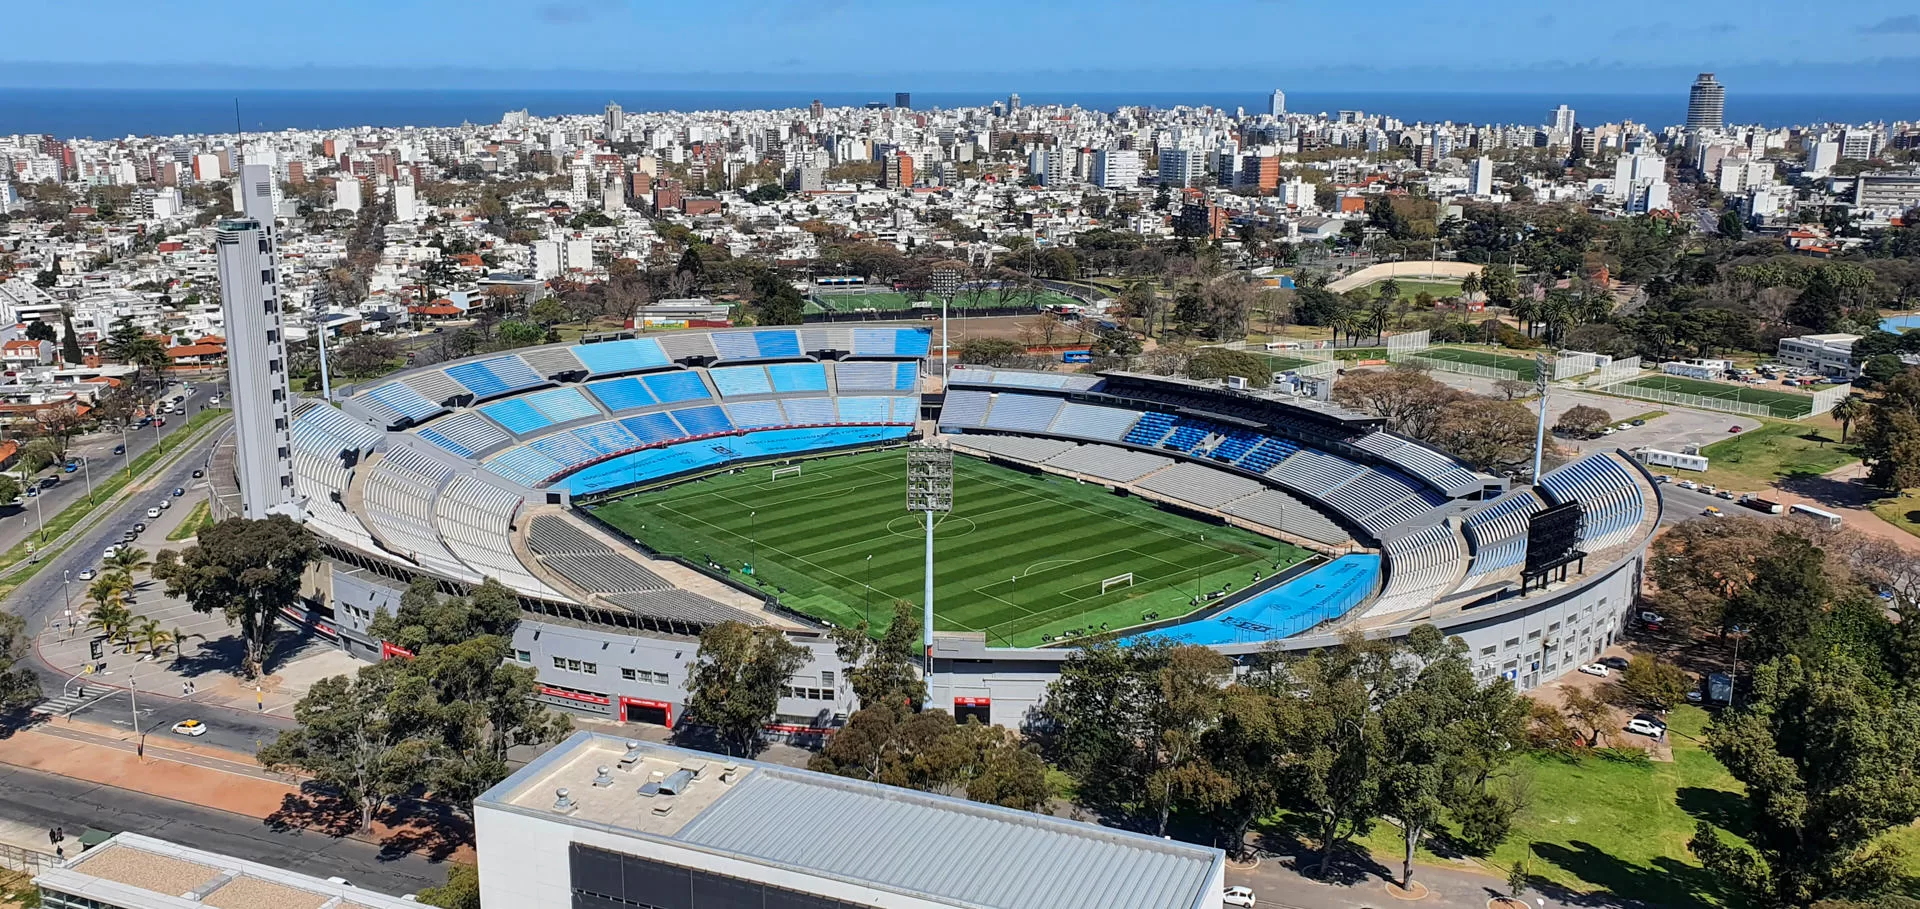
(109,113)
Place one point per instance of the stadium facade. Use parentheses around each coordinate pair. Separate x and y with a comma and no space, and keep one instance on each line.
(472,469)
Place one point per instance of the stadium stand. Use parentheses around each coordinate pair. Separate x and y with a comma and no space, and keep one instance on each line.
(606,438)
(608,358)
(1018,448)
(652,428)
(1436,469)
(1091,421)
(435,385)
(495,376)
(553,361)
(758,344)
(465,434)
(1022,413)
(523,465)
(1151,429)
(756,414)
(798,378)
(565,449)
(320,435)
(1497,536)
(675,387)
(1200,485)
(399,497)
(682,606)
(476,521)
(398,404)
(964,409)
(617,395)
(580,558)
(517,416)
(906,409)
(1606,489)
(863,409)
(809,411)
(1420,567)
(1282,512)
(857,376)
(702,421)
(562,405)
(1107,462)
(1314,473)
(685,345)
(741,381)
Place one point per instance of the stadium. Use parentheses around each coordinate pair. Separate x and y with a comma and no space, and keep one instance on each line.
(634,490)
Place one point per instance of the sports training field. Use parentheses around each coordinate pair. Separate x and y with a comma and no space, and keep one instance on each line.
(1019,557)
(1524,366)
(1783,404)
(889,301)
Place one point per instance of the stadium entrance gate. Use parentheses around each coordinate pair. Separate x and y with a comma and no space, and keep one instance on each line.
(979,706)
(640,710)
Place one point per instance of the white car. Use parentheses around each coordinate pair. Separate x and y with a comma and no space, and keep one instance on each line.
(1642,727)
(1689,484)
(152,513)
(190,728)
(86,574)
(1237,896)
(1596,669)
(214,400)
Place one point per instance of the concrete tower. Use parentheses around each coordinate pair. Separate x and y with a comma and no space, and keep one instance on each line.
(256,348)
(1706,104)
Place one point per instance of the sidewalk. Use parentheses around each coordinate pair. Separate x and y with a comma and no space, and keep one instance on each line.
(182,772)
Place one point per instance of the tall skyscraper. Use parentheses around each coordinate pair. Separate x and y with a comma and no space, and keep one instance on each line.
(817,109)
(1278,106)
(245,248)
(1013,101)
(903,99)
(616,121)
(1563,124)
(1706,104)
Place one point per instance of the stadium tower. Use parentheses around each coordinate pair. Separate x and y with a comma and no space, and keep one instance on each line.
(256,348)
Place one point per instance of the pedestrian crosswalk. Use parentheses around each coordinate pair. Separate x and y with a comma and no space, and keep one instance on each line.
(70,702)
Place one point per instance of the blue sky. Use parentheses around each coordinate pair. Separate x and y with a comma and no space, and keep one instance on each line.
(1626,45)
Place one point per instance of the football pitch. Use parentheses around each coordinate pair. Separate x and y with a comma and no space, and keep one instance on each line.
(1021,557)
(1524,366)
(891,301)
(1782,404)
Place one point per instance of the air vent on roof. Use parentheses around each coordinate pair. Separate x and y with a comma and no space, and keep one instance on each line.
(563,802)
(676,782)
(696,767)
(663,809)
(602,777)
(632,758)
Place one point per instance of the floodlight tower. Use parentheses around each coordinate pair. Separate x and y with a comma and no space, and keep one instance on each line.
(1540,433)
(946,284)
(930,492)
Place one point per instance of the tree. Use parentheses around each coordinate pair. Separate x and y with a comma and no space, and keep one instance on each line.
(462,890)
(365,356)
(1650,684)
(70,343)
(1517,879)
(41,330)
(150,632)
(928,751)
(1500,285)
(991,352)
(1246,757)
(1731,227)
(885,670)
(1494,436)
(18,685)
(57,425)
(1336,749)
(128,559)
(736,681)
(1221,362)
(776,300)
(354,736)
(1411,401)
(1701,565)
(549,311)
(1849,409)
(10,490)
(1189,702)
(427,619)
(1826,753)
(246,570)
(1890,438)
(1786,599)
(1583,421)
(1590,713)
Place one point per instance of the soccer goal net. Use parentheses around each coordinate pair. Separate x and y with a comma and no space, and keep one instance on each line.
(791,470)
(1118,580)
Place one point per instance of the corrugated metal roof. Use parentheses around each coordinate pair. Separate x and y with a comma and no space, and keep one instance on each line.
(948,849)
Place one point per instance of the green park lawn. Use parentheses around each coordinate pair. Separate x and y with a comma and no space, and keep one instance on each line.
(1774,451)
(1525,367)
(1412,287)
(1020,557)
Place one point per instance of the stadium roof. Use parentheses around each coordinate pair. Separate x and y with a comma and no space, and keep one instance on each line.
(950,851)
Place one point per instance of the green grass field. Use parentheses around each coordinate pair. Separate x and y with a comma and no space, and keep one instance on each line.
(890,301)
(1783,404)
(1525,366)
(1020,557)
(1774,451)
(1411,288)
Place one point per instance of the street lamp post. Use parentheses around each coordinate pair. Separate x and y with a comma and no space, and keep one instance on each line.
(86,468)
(125,452)
(66,587)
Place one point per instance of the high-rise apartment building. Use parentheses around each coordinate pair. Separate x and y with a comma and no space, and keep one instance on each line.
(1480,182)
(1706,104)
(1116,168)
(1562,131)
(903,99)
(1181,166)
(898,170)
(616,121)
(1277,105)
(256,348)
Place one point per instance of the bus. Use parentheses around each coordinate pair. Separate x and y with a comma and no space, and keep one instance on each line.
(1825,517)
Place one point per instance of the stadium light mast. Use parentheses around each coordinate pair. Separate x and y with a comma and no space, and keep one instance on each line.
(946,283)
(930,492)
(1540,433)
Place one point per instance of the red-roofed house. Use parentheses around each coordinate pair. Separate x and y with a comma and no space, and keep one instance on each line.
(26,354)
(192,354)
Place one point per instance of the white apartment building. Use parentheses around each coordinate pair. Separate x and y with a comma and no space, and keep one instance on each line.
(1829,355)
(256,349)
(1181,167)
(1116,168)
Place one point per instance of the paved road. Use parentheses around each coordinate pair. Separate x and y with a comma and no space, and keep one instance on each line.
(97,449)
(46,800)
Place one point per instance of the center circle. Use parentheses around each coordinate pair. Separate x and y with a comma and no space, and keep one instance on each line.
(914,526)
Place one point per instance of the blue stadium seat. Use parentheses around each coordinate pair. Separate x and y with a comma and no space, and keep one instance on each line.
(794,378)
(674,387)
(627,355)
(739,381)
(778,342)
(652,428)
(621,394)
(519,417)
(700,421)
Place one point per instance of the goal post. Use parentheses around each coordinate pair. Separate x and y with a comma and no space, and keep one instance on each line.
(791,470)
(1118,580)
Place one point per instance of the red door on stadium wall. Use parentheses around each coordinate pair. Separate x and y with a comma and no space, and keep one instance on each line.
(980,708)
(640,710)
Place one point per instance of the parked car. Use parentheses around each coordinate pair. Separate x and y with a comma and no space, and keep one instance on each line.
(197,473)
(129,536)
(139,527)
(1639,726)
(1639,422)
(119,449)
(108,552)
(215,400)
(1596,669)
(1652,618)
(70,467)
(166,503)
(190,728)
(1689,484)
(153,513)
(1237,896)
(86,574)
(182,490)
(1725,494)
(1733,429)
(49,482)
(1614,662)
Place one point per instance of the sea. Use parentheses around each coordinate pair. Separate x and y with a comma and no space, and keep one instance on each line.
(107,113)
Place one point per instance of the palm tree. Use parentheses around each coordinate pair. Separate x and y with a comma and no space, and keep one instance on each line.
(149,632)
(109,616)
(1849,409)
(127,560)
